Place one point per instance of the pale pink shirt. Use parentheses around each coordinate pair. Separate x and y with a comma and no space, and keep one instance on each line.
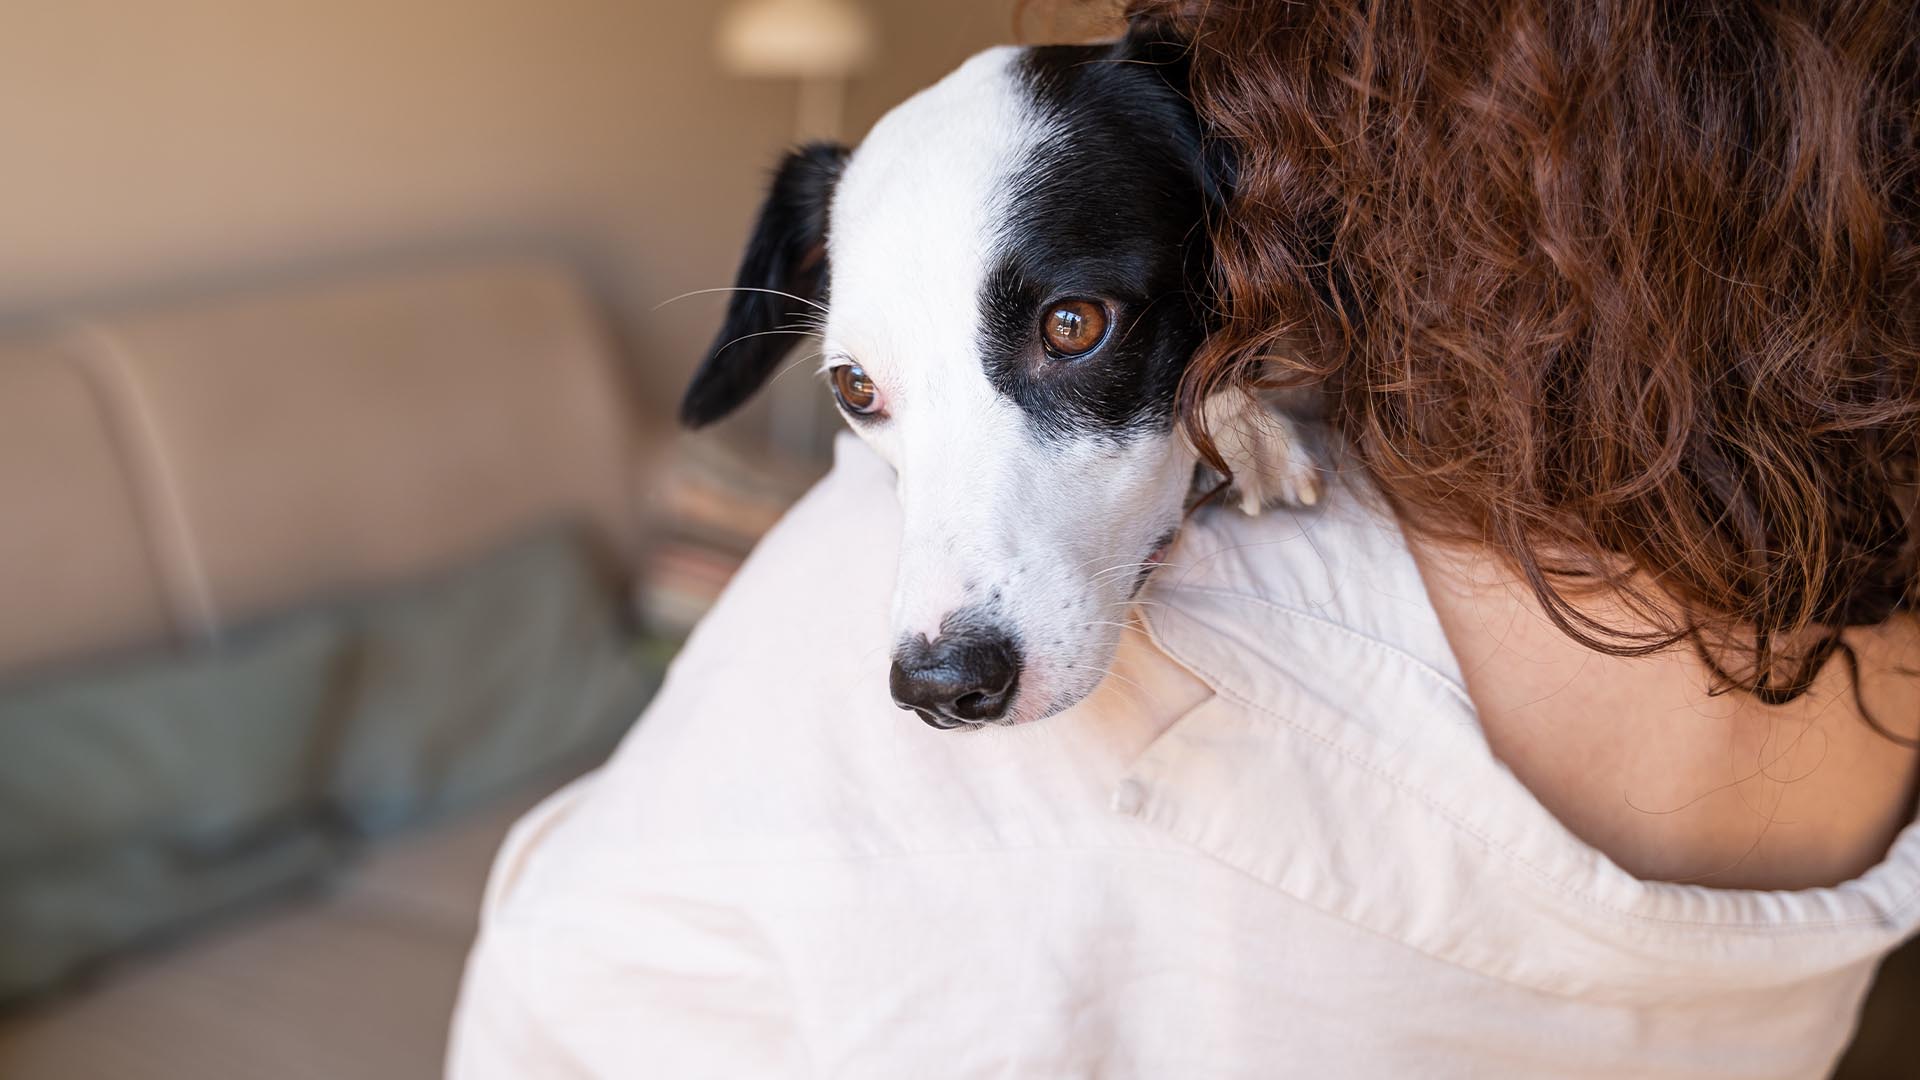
(1275,845)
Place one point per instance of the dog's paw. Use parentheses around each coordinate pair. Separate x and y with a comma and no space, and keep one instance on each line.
(1273,464)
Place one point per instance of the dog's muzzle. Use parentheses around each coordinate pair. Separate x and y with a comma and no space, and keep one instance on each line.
(963,677)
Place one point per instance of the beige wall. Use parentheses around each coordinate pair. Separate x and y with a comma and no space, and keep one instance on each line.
(157,149)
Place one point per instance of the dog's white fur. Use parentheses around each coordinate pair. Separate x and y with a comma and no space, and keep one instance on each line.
(1052,535)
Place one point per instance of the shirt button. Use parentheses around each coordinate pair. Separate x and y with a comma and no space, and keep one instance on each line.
(1128,795)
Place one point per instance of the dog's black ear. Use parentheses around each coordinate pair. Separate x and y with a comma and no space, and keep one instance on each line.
(1157,43)
(1154,39)
(782,279)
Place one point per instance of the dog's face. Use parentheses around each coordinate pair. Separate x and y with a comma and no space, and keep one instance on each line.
(1008,278)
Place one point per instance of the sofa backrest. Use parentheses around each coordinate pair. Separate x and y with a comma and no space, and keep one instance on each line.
(167,472)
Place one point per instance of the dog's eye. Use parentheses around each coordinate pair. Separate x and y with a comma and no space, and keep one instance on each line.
(1073,327)
(856,392)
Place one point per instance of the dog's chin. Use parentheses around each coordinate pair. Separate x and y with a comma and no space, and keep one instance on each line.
(1029,707)
(1058,683)
(1076,665)
(1050,693)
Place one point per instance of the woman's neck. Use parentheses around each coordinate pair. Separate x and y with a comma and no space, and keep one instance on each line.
(1638,759)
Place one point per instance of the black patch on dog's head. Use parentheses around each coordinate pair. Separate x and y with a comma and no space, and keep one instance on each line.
(1111,205)
(787,254)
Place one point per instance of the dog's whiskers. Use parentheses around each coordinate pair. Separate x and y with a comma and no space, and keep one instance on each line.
(809,357)
(1147,697)
(1125,566)
(1097,558)
(760,333)
(739,288)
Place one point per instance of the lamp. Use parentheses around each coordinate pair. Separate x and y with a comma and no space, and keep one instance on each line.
(819,43)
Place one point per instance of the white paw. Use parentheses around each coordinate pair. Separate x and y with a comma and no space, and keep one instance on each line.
(1272,463)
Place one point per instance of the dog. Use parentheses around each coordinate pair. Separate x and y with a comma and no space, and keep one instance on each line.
(1008,278)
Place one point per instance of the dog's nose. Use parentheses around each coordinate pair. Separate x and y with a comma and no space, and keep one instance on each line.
(965,677)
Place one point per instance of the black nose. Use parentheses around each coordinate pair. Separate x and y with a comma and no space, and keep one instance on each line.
(965,676)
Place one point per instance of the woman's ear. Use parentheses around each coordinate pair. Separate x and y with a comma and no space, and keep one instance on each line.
(782,280)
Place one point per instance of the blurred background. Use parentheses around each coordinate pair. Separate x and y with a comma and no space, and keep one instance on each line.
(342,515)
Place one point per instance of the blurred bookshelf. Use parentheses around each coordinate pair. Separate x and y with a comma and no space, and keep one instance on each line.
(714,502)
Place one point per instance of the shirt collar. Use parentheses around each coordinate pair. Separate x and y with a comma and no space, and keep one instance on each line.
(1342,763)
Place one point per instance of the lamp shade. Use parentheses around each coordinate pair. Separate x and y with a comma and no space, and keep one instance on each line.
(795,39)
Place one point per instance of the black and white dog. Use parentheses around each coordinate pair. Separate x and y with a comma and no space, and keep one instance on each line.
(1009,277)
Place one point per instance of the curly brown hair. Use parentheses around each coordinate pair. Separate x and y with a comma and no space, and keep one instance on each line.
(1627,291)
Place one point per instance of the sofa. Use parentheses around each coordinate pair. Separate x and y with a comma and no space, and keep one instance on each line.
(304,593)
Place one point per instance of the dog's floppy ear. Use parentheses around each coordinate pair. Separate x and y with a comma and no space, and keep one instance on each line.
(1155,42)
(782,278)
(1153,39)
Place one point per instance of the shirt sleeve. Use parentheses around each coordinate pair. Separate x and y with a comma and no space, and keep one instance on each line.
(615,938)
(584,968)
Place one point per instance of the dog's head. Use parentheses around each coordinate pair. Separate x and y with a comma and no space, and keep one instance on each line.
(1008,277)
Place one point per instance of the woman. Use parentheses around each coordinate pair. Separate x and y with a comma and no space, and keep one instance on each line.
(1574,734)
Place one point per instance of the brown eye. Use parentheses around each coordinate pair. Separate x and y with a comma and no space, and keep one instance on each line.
(855,391)
(1073,327)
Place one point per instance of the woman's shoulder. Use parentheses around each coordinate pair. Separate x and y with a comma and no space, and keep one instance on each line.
(1637,757)
(1641,757)
(1339,693)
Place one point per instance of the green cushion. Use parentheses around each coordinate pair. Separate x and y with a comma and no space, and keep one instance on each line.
(146,794)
